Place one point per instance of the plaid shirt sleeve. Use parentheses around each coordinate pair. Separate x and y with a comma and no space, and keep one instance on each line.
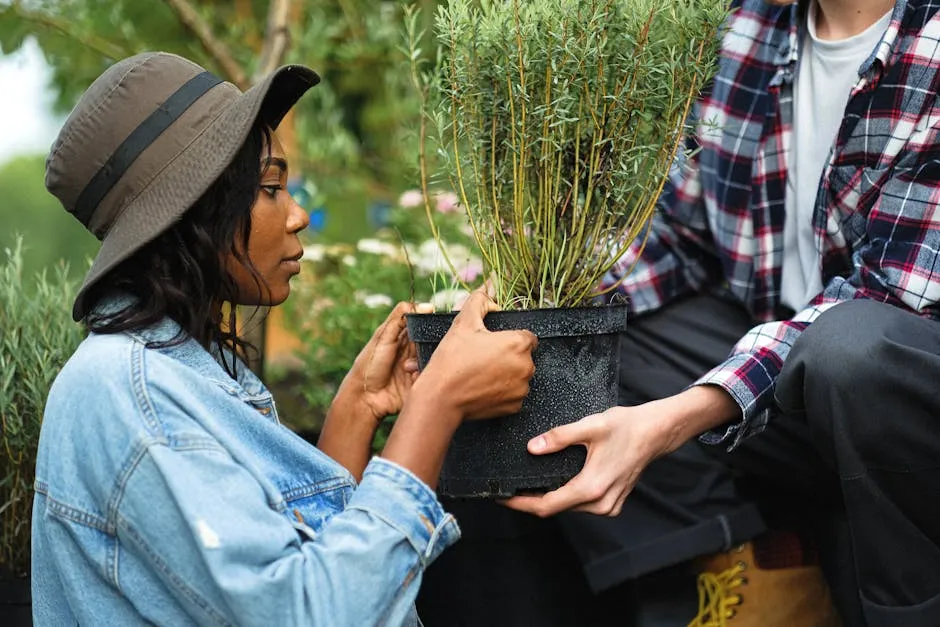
(882,226)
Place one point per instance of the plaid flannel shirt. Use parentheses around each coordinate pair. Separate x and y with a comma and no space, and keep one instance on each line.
(876,217)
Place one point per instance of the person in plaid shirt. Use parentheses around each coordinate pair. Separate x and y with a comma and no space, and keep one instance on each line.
(804,237)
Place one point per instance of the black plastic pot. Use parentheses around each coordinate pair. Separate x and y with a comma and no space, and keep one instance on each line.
(576,368)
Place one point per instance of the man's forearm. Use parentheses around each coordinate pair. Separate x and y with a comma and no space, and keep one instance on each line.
(695,411)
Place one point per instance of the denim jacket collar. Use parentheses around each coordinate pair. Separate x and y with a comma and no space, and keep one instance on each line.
(246,386)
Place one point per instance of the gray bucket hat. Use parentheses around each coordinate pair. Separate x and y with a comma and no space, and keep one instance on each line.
(147,139)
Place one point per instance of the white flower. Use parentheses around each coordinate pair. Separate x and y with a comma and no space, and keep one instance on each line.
(428,259)
(448,300)
(377,247)
(314,252)
(349,260)
(374,301)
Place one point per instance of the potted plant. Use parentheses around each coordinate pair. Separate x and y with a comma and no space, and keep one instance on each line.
(557,122)
(37,335)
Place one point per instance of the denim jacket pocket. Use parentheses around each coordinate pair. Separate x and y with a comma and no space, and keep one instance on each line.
(310,506)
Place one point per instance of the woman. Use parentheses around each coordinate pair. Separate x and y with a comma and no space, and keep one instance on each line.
(166,492)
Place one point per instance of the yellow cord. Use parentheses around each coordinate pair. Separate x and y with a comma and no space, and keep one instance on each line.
(717,603)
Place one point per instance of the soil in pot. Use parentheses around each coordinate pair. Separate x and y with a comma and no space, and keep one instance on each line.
(576,374)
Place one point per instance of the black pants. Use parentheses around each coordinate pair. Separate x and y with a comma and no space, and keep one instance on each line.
(859,398)
(854,457)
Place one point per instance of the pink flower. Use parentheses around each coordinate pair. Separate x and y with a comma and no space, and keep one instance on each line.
(470,271)
(447,202)
(509,232)
(411,198)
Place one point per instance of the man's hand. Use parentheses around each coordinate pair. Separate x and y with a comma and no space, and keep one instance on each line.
(620,443)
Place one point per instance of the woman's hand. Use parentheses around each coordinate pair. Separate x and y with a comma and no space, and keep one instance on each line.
(482,373)
(384,370)
(375,387)
(620,443)
(473,373)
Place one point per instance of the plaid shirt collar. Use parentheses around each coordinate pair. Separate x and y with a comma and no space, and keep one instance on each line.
(789,52)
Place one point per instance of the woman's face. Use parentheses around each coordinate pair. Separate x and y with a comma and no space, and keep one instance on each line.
(273,245)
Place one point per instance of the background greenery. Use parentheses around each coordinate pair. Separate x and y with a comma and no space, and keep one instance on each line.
(37,335)
(26,208)
(351,139)
(353,134)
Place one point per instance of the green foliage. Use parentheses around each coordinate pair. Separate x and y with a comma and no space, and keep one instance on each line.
(81,38)
(50,234)
(347,290)
(359,119)
(37,336)
(353,134)
(557,121)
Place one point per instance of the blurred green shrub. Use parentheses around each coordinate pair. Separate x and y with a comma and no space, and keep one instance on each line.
(37,336)
(50,234)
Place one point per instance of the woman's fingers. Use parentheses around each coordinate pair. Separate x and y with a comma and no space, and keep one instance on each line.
(475,309)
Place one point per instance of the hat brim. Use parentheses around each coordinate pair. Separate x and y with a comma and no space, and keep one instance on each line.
(185,179)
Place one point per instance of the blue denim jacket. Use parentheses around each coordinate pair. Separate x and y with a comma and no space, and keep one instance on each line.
(167,493)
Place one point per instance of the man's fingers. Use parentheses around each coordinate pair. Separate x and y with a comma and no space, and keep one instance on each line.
(609,505)
(561,437)
(568,496)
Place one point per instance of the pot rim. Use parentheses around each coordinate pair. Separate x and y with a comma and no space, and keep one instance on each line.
(545,323)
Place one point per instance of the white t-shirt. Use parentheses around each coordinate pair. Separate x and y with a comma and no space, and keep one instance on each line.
(827,72)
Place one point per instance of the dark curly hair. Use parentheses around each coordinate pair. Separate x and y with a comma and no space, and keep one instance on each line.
(182,275)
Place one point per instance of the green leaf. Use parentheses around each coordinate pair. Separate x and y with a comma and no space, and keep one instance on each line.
(13,30)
